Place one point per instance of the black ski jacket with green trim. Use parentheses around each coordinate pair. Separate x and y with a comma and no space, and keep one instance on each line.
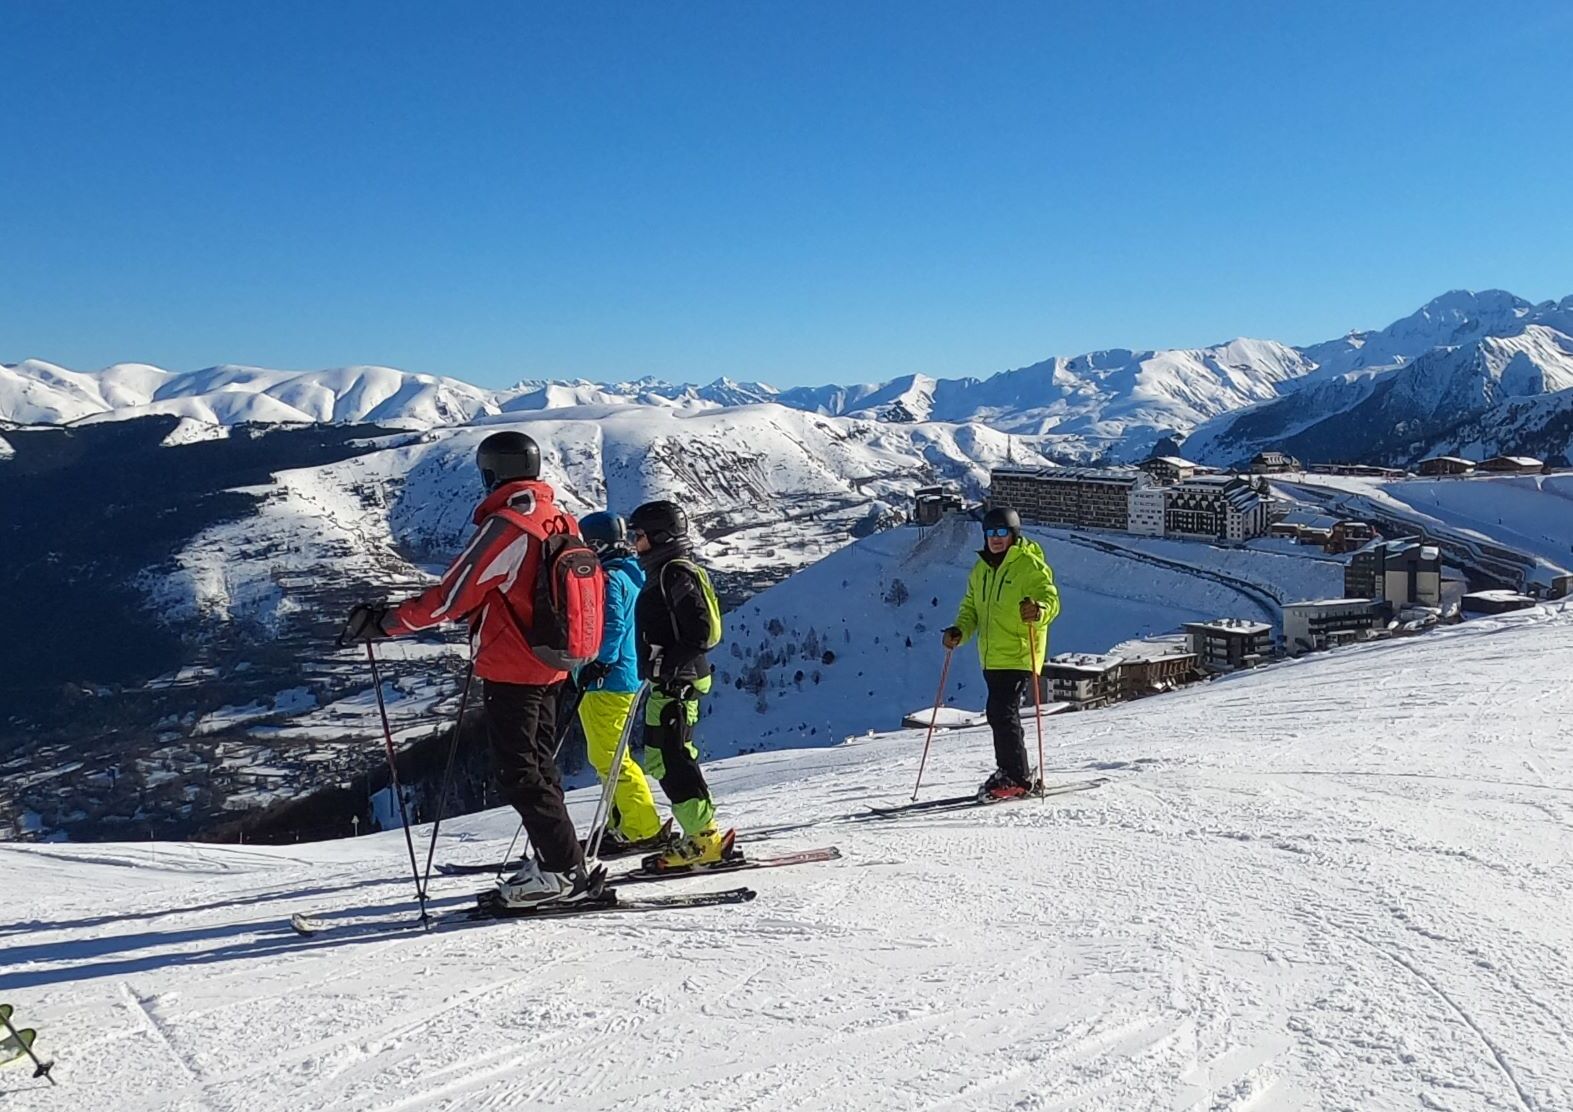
(671,618)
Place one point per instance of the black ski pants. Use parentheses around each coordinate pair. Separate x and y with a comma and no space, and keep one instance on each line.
(1007,688)
(521,724)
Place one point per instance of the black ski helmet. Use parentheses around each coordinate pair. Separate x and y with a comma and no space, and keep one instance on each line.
(604,530)
(660,521)
(1002,517)
(506,456)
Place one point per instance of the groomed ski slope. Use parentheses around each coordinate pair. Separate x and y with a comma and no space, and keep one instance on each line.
(1336,883)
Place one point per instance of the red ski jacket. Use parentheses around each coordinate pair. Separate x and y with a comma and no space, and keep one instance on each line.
(495,572)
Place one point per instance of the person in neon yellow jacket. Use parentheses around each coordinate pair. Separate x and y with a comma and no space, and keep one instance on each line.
(1010,594)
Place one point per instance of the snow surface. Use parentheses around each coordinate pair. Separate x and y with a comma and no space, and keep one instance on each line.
(1272,905)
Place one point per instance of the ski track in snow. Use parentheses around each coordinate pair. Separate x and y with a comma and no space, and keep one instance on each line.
(1338,883)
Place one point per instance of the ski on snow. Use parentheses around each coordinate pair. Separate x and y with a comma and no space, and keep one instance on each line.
(19,1044)
(731,865)
(15,1047)
(608,852)
(963,802)
(485,908)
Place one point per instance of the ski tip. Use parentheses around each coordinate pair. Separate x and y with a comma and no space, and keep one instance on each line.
(304,925)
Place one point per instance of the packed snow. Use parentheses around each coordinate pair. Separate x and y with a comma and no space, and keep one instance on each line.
(1270,905)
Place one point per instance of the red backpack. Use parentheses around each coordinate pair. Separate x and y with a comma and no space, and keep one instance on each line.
(568,603)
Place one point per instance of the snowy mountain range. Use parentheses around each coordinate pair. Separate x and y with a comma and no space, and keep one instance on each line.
(1468,371)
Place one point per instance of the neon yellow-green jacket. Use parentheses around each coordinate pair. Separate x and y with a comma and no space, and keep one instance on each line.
(992,607)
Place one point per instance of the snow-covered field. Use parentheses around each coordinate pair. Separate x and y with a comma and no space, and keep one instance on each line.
(1270,906)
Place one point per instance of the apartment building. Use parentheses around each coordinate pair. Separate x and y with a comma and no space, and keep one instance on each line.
(1081,497)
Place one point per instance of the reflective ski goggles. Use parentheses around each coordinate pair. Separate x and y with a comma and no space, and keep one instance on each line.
(996,532)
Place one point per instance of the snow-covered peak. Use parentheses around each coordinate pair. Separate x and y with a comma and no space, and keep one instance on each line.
(1113,402)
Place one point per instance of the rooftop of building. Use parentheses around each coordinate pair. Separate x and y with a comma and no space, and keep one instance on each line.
(1230,625)
(1519,461)
(1399,546)
(1157,645)
(1501,596)
(1093,664)
(1309,519)
(1330,603)
(1119,475)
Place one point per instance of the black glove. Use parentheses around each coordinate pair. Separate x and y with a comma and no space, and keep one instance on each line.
(592,674)
(681,690)
(952,637)
(364,624)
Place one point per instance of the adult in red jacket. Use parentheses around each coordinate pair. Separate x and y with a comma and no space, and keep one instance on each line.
(491,585)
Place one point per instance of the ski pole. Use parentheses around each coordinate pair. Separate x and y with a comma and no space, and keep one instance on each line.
(1037,703)
(447,773)
(393,777)
(43,1068)
(944,673)
(603,809)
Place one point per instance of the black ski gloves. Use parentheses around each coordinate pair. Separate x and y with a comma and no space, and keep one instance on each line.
(592,674)
(680,690)
(364,624)
(952,637)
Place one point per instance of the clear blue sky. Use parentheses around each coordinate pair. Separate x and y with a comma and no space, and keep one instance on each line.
(797,192)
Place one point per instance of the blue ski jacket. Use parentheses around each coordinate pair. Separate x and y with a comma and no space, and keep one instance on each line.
(624,579)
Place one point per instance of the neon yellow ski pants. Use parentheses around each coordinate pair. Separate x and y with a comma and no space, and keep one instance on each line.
(604,714)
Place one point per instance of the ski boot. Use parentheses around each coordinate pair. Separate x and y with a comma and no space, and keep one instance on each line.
(1002,785)
(707,847)
(614,844)
(532,887)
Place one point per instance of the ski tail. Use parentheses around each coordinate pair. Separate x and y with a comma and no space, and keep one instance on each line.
(13,1048)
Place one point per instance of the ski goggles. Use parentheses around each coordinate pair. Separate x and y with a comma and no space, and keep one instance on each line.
(996,532)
